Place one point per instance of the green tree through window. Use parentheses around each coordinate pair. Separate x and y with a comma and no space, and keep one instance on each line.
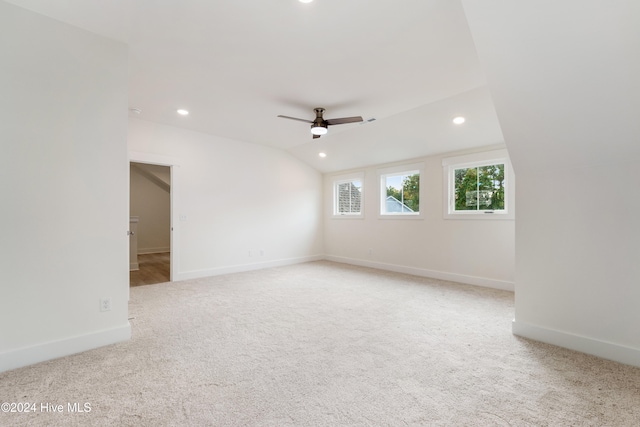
(409,192)
(479,188)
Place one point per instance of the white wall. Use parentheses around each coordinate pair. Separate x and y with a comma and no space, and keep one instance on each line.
(150,201)
(580,264)
(63,186)
(568,102)
(479,252)
(237,206)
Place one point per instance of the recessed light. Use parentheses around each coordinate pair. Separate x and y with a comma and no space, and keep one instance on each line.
(458,120)
(182,112)
(323,155)
(135,110)
(305,1)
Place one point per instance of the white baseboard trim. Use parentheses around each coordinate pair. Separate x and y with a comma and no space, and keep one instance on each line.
(454,277)
(146,251)
(594,347)
(134,266)
(196,274)
(20,357)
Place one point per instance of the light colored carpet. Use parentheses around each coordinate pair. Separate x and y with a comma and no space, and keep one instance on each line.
(325,344)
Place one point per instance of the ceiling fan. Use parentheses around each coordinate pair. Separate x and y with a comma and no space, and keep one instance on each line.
(319,125)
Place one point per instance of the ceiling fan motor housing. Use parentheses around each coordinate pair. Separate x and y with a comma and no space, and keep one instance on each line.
(319,125)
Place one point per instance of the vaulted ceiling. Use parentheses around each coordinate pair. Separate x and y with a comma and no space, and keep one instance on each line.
(236,65)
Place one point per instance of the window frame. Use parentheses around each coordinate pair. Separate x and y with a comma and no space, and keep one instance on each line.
(475,160)
(342,179)
(406,169)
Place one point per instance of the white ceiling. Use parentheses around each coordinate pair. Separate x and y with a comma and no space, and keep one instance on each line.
(236,65)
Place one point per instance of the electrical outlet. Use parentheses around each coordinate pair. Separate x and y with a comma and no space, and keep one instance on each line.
(261,252)
(105,304)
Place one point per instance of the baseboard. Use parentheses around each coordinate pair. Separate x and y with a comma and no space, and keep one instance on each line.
(18,358)
(454,277)
(147,251)
(603,349)
(196,274)
(134,266)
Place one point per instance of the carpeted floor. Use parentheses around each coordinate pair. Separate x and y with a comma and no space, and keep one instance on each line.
(325,344)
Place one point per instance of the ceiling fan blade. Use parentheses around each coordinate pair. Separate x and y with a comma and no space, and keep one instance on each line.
(295,118)
(316,136)
(344,120)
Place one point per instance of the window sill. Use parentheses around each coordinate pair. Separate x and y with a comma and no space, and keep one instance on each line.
(401,217)
(347,217)
(480,216)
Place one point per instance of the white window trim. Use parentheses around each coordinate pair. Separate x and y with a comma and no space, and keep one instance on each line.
(341,179)
(485,158)
(382,193)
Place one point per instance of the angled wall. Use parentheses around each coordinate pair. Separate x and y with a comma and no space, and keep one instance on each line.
(564,79)
(63,184)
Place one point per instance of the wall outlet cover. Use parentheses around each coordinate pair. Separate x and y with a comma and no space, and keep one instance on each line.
(105,304)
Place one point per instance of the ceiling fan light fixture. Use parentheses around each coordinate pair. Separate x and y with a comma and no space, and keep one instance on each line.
(318,130)
(319,125)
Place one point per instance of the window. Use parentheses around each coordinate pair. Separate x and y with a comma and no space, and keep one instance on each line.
(348,196)
(479,184)
(400,191)
(479,188)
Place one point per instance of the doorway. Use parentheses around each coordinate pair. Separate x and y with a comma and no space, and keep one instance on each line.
(150,219)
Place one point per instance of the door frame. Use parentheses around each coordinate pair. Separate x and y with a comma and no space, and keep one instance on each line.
(174,232)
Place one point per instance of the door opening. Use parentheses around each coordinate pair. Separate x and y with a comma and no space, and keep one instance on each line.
(150,210)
